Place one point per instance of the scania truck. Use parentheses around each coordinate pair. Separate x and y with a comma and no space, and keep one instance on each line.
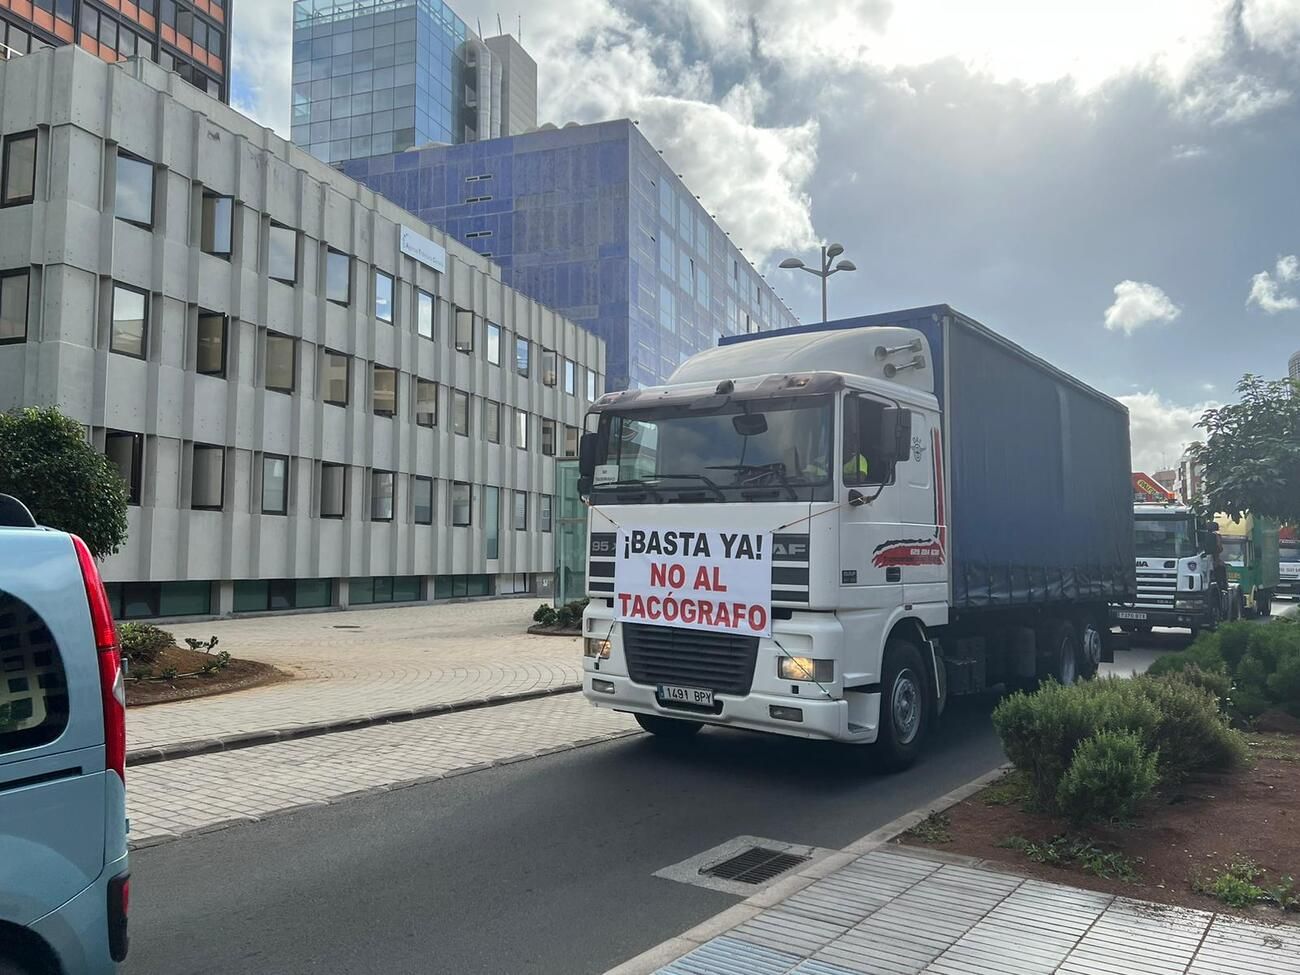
(828,531)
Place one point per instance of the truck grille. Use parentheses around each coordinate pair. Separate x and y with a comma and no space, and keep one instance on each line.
(1157,589)
(693,658)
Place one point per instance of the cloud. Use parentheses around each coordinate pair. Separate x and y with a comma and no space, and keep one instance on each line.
(1160,430)
(1273,25)
(1231,100)
(262,51)
(1266,289)
(1138,304)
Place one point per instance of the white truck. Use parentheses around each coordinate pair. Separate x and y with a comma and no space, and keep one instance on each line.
(826,531)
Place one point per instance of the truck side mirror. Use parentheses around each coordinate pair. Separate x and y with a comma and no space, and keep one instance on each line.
(586,464)
(895,434)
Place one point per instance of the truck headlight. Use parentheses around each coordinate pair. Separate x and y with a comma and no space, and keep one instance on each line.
(595,647)
(805,668)
(1187,604)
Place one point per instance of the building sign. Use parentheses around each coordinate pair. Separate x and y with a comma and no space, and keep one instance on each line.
(1145,488)
(702,580)
(423,250)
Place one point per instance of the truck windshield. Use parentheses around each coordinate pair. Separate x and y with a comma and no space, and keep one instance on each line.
(1234,548)
(768,450)
(1165,538)
(1289,549)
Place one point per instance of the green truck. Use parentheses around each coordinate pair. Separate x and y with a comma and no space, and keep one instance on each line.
(1250,550)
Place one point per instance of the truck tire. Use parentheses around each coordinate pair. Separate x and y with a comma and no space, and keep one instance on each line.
(905,706)
(1264,603)
(1058,654)
(1091,643)
(668,729)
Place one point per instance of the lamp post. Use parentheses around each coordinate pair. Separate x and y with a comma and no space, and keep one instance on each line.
(825,271)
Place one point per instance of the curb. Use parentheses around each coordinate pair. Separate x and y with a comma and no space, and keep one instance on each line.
(249,739)
(164,837)
(669,951)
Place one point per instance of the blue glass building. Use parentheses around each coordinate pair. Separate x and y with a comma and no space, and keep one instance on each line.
(591,221)
(376,76)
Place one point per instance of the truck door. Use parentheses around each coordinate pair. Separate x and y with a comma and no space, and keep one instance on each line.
(923,516)
(873,537)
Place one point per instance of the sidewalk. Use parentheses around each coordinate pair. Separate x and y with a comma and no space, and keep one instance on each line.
(896,911)
(361,664)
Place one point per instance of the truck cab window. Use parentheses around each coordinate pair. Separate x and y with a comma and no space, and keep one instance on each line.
(863,447)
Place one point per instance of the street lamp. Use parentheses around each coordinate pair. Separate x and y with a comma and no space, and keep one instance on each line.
(825,271)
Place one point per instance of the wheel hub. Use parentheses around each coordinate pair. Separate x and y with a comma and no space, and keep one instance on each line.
(905,707)
(1092,646)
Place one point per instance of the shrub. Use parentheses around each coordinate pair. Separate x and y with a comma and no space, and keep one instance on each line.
(1191,734)
(564,617)
(141,643)
(1110,774)
(545,615)
(1216,682)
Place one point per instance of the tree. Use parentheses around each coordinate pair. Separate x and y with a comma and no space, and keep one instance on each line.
(46,463)
(1251,456)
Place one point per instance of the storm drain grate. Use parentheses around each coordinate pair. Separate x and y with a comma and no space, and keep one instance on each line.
(757,865)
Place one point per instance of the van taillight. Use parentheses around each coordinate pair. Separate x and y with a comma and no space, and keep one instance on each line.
(112,689)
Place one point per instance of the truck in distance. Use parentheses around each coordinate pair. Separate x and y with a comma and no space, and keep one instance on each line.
(827,531)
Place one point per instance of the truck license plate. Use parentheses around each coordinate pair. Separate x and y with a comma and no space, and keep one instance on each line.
(1127,615)
(694,696)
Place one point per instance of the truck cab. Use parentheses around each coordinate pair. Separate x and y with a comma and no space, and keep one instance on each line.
(1176,586)
(1288,583)
(1251,551)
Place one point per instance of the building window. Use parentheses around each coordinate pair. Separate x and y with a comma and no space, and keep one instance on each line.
(494,343)
(570,377)
(218,215)
(521,357)
(550,367)
(130,335)
(282,254)
(263,595)
(333,490)
(208,477)
(591,385)
(338,276)
(521,429)
(424,314)
(460,412)
(548,437)
(544,512)
(126,451)
(210,359)
(384,297)
(381,495)
(426,403)
(491,421)
(521,511)
(492,522)
(422,499)
(275,484)
(460,587)
(281,363)
(13,306)
(364,590)
(383,400)
(133,200)
(139,600)
(570,441)
(336,377)
(461,513)
(18,182)
(464,330)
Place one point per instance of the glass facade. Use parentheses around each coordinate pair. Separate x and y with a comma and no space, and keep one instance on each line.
(590,221)
(377,76)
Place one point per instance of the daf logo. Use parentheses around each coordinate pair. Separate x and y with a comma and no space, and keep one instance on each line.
(790,551)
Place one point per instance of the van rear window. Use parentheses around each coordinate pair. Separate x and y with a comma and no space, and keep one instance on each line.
(33,691)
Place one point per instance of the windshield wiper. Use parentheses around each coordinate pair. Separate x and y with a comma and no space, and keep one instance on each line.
(712,486)
(758,472)
(625,486)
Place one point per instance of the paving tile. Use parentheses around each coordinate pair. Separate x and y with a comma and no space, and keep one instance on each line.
(726,955)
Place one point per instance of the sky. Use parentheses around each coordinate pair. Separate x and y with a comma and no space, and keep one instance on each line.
(1110,183)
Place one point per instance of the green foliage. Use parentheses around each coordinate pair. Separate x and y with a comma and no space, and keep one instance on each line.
(1192,735)
(203,646)
(1110,774)
(545,615)
(1063,851)
(935,828)
(1236,884)
(1010,790)
(1251,454)
(46,462)
(566,617)
(141,643)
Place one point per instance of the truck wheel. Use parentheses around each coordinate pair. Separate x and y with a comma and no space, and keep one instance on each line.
(1090,650)
(904,706)
(669,729)
(1059,654)
(1264,602)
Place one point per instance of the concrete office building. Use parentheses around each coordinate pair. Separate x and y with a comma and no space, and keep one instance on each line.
(190,37)
(591,221)
(374,76)
(1293,366)
(314,398)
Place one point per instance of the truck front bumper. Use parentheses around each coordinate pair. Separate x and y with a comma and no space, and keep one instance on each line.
(1184,618)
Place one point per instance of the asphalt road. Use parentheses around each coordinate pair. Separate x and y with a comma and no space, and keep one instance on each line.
(544,866)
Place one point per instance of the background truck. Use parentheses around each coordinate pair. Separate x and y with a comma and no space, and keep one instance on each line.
(1251,551)
(941,512)
(1176,586)
(1288,582)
